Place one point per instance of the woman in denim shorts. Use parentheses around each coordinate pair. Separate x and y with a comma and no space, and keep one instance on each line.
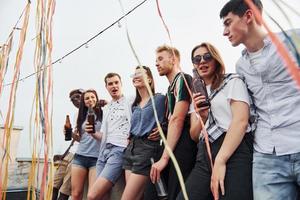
(140,149)
(85,158)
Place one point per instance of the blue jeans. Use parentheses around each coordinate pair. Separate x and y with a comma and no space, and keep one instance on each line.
(276,177)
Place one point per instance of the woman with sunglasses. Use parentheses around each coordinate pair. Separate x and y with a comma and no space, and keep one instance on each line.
(85,158)
(140,149)
(230,137)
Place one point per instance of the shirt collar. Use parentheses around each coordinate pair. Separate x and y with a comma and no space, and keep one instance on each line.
(267,41)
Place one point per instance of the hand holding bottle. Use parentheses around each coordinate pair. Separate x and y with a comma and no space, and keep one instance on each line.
(89,128)
(90,125)
(160,187)
(199,87)
(198,99)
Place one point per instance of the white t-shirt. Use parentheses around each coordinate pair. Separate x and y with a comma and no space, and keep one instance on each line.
(220,104)
(116,122)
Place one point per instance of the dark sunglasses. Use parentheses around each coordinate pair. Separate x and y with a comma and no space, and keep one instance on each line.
(197,59)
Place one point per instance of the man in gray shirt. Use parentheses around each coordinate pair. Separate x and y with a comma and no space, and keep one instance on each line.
(276,159)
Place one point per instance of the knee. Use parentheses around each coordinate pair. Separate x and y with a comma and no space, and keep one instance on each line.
(91,196)
(76,194)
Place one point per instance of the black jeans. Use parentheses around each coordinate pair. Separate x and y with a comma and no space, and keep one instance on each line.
(238,177)
(185,153)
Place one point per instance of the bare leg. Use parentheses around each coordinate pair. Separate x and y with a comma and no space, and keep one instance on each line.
(92,177)
(100,189)
(127,175)
(78,178)
(135,186)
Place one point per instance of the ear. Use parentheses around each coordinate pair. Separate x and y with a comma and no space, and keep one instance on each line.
(173,60)
(249,16)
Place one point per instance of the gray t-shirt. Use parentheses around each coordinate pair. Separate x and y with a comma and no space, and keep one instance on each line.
(89,146)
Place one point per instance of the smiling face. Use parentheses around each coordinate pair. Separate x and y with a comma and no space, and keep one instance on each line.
(75,98)
(138,80)
(90,99)
(114,87)
(206,67)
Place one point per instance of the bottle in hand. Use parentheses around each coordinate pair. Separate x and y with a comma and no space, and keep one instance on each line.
(68,129)
(200,87)
(160,187)
(91,119)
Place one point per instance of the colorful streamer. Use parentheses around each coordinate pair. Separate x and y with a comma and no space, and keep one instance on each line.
(9,120)
(291,66)
(81,45)
(167,147)
(204,131)
(42,106)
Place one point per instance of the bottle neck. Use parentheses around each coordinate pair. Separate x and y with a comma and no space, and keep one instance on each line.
(90,110)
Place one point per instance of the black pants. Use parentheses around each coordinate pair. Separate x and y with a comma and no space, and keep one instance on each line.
(185,153)
(238,177)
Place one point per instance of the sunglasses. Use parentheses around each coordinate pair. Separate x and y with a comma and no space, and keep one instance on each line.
(197,59)
(137,75)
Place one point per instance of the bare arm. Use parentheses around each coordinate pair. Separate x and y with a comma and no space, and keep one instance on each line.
(233,138)
(236,131)
(176,123)
(195,128)
(196,125)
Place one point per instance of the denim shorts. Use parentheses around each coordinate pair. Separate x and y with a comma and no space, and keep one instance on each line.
(109,163)
(85,162)
(138,154)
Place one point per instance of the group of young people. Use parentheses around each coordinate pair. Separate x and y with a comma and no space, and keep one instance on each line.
(253,124)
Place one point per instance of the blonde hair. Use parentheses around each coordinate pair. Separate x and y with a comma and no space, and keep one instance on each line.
(171,50)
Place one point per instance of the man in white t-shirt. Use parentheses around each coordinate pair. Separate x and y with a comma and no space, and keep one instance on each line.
(114,134)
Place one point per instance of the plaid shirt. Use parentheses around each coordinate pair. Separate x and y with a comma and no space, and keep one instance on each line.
(214,130)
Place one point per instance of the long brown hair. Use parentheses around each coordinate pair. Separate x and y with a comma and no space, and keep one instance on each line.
(220,67)
(82,112)
(138,97)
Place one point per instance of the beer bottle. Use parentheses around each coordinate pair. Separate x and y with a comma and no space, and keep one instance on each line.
(68,129)
(160,187)
(200,87)
(91,119)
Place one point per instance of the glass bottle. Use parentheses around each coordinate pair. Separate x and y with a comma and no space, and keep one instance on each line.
(160,187)
(91,118)
(68,129)
(200,87)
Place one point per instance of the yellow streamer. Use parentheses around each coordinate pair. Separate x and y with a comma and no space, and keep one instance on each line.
(9,120)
